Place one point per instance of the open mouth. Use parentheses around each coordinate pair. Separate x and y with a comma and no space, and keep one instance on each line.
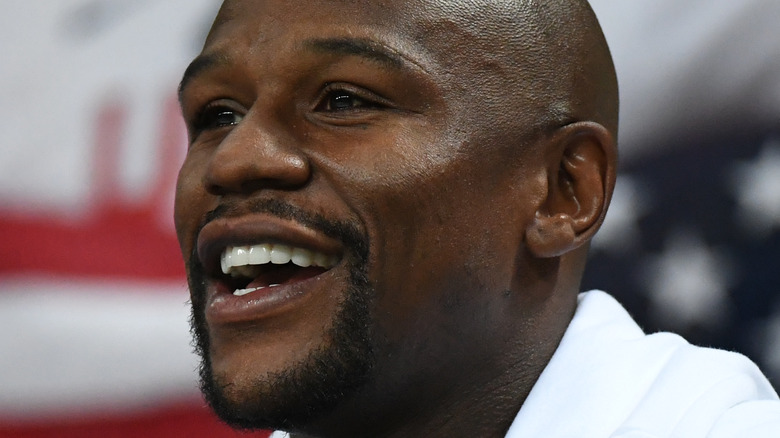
(250,268)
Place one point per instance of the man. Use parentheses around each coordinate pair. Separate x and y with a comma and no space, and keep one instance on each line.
(385,211)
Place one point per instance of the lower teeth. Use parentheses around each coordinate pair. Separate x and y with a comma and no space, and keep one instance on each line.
(242,292)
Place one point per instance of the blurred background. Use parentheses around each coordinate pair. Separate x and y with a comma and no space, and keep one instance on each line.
(93,301)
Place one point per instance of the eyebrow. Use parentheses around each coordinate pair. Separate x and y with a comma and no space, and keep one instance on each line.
(363,48)
(198,65)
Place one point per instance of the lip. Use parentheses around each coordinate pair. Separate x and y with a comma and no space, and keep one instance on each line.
(222,307)
(254,229)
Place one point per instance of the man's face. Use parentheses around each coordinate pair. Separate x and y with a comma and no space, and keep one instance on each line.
(334,134)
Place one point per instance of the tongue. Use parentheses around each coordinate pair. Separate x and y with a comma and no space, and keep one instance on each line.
(284,274)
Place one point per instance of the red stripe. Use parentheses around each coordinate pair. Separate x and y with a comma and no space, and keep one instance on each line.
(116,237)
(121,244)
(164,422)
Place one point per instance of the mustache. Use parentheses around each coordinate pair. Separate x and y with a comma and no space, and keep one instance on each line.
(348,232)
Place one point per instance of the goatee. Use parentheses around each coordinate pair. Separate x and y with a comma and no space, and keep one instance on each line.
(293,398)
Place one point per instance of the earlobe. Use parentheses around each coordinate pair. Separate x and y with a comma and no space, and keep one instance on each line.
(581,161)
(549,237)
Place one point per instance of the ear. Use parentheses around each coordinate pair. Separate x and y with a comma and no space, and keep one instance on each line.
(581,167)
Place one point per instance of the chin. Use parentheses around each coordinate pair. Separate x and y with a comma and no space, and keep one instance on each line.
(297,393)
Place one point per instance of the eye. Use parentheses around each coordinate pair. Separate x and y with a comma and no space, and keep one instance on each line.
(215,116)
(337,98)
(342,100)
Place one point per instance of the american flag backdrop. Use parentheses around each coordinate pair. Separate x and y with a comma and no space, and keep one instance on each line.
(692,241)
(94,339)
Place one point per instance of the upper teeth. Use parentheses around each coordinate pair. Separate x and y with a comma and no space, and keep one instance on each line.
(236,260)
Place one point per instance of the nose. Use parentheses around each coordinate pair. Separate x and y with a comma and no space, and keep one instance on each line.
(253,157)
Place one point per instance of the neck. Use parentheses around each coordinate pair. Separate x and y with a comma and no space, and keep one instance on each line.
(473,397)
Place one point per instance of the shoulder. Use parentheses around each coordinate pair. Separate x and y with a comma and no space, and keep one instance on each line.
(754,419)
(613,380)
(703,392)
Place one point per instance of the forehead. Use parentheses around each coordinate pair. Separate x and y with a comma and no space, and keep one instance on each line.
(481,56)
(451,34)
(260,22)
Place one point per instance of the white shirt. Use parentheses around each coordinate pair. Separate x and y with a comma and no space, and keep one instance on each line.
(607,379)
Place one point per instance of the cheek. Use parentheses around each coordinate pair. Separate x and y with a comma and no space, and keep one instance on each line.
(188,205)
(448,226)
(445,228)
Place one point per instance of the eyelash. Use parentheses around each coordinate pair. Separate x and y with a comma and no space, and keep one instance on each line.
(332,92)
(208,118)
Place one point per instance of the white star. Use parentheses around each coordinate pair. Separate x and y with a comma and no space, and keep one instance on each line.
(620,231)
(757,188)
(688,283)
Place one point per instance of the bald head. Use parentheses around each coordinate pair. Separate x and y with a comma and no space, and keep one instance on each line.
(549,58)
(434,171)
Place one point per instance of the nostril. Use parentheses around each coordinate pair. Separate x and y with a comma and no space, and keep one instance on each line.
(270,167)
(256,185)
(214,189)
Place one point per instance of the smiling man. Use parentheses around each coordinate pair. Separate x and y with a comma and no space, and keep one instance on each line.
(385,211)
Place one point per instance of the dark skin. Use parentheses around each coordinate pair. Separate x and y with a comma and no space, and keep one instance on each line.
(471,147)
